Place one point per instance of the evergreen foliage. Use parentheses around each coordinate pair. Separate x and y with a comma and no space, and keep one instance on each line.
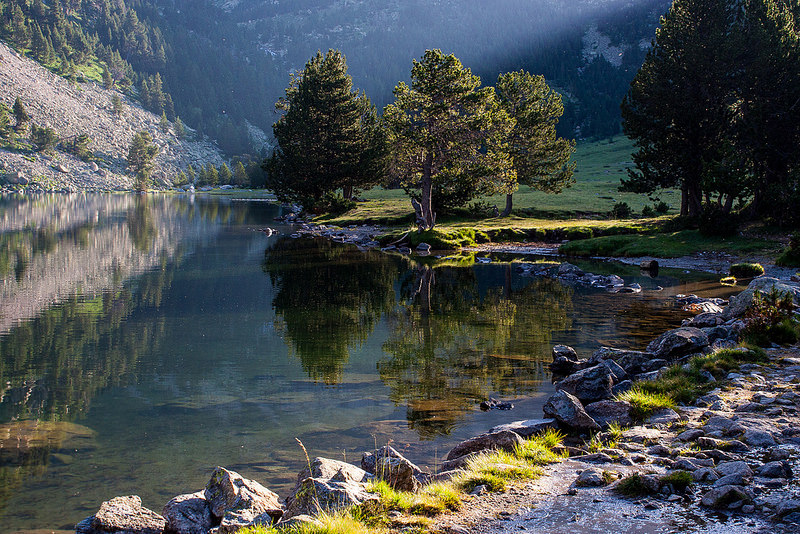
(21,116)
(225,175)
(180,129)
(721,126)
(5,122)
(43,138)
(240,175)
(79,146)
(540,156)
(328,136)
(116,104)
(447,135)
(141,154)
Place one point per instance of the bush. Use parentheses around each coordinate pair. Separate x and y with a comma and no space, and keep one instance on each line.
(680,480)
(647,211)
(78,146)
(770,319)
(662,208)
(44,139)
(333,203)
(714,222)
(621,210)
(790,257)
(746,270)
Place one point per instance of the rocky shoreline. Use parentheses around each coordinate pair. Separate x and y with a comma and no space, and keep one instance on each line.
(728,459)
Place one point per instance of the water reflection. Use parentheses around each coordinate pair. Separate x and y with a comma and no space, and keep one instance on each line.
(328,300)
(450,347)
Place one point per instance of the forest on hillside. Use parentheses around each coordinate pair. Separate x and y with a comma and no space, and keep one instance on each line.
(221,65)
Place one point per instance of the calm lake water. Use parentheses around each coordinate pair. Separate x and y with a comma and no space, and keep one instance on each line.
(145,340)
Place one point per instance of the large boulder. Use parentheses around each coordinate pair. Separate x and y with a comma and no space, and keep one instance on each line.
(590,384)
(504,439)
(122,515)
(389,465)
(673,344)
(328,486)
(236,501)
(565,360)
(741,302)
(568,410)
(188,514)
(606,412)
(633,361)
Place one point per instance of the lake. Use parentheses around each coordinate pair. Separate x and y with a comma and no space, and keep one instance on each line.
(145,340)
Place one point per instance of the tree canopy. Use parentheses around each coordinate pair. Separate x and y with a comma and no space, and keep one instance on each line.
(540,157)
(328,137)
(141,154)
(447,131)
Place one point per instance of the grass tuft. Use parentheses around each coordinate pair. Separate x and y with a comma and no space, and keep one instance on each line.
(644,403)
(746,270)
(680,480)
(632,486)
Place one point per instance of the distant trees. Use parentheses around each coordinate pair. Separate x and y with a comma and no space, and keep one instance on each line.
(447,132)
(714,111)
(141,154)
(328,136)
(79,146)
(540,157)
(43,138)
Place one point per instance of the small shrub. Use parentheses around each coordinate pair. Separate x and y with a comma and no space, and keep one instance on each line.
(44,138)
(662,208)
(790,257)
(580,232)
(632,486)
(770,318)
(334,203)
(746,270)
(647,211)
(621,210)
(680,480)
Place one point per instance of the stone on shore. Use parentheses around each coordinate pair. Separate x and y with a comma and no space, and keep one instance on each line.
(389,465)
(606,412)
(236,501)
(568,410)
(565,360)
(740,303)
(526,428)
(633,361)
(123,515)
(673,344)
(188,514)
(329,485)
(589,385)
(505,440)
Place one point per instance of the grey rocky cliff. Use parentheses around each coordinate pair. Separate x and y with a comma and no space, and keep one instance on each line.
(72,109)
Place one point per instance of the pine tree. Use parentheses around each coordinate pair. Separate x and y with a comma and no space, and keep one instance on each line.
(190,174)
(108,80)
(540,157)
(5,122)
(163,123)
(326,136)
(240,175)
(44,138)
(180,129)
(21,116)
(225,174)
(116,104)
(446,129)
(141,154)
(676,108)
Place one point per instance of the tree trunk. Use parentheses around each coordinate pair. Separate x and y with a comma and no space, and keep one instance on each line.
(694,199)
(347,192)
(509,205)
(684,201)
(426,201)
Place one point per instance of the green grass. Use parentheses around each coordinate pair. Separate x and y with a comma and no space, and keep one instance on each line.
(684,385)
(667,245)
(645,403)
(339,523)
(680,480)
(632,486)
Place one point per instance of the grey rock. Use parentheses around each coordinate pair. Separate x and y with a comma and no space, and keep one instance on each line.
(740,303)
(634,362)
(690,435)
(565,360)
(673,344)
(232,496)
(705,320)
(640,434)
(735,468)
(758,438)
(606,412)
(664,417)
(588,385)
(618,374)
(528,427)
(389,465)
(591,477)
(568,269)
(122,515)
(505,440)
(188,514)
(568,410)
(786,507)
(713,443)
(776,469)
(705,474)
(328,486)
(722,496)
(736,479)
(424,247)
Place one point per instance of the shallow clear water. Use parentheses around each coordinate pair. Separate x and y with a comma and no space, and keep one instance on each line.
(145,340)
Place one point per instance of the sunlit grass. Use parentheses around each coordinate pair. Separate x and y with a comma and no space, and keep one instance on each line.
(645,403)
(338,523)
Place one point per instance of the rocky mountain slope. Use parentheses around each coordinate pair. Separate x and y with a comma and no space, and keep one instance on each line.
(72,109)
